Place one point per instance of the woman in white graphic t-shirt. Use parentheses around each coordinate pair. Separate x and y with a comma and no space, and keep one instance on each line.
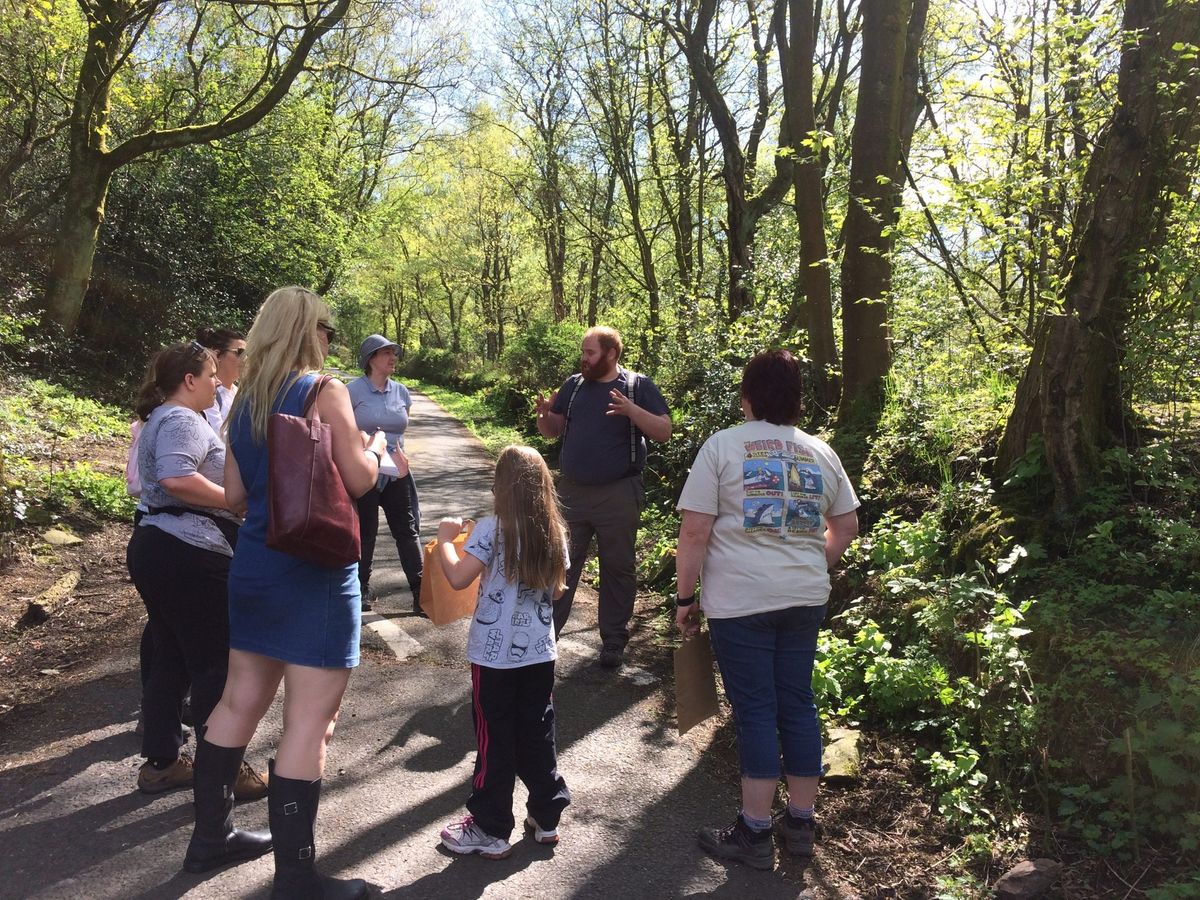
(767,512)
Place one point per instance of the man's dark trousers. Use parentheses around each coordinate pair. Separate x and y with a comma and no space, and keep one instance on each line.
(611,512)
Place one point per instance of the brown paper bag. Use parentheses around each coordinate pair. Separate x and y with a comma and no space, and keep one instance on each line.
(442,603)
(695,683)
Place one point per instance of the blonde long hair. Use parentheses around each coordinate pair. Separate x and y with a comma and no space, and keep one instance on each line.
(535,534)
(282,345)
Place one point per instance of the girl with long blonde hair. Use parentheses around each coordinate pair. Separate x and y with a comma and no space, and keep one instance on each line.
(520,556)
(290,620)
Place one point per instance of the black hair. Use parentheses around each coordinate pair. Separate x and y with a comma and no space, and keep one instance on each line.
(217,339)
(774,386)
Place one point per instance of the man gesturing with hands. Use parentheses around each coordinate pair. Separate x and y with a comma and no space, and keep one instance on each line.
(604,414)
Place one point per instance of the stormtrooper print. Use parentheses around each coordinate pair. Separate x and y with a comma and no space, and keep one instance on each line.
(488,610)
(518,647)
(545,608)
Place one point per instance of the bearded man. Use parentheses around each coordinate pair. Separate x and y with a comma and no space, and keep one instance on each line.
(604,414)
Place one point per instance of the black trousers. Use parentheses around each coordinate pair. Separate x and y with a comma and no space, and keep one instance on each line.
(185,591)
(146,645)
(513,711)
(402,510)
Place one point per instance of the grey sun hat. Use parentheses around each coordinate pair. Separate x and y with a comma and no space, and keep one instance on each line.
(373,344)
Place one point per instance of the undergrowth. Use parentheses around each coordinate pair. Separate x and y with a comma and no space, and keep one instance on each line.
(43,428)
(1047,669)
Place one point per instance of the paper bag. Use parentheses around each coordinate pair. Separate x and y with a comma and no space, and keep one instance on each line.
(442,603)
(695,683)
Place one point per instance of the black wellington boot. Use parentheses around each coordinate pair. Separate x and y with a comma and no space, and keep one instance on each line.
(215,842)
(292,806)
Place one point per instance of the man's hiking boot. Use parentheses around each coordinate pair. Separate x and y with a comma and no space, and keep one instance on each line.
(611,657)
(739,843)
(175,776)
(799,835)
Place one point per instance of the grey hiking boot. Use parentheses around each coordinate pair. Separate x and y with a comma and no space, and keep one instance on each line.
(611,658)
(738,842)
(799,835)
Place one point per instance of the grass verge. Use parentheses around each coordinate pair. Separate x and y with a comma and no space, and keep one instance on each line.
(475,412)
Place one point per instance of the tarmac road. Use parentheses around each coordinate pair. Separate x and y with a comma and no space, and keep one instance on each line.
(72,824)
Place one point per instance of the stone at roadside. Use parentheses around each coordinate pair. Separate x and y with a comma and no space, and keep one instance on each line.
(39,610)
(842,759)
(56,537)
(1028,879)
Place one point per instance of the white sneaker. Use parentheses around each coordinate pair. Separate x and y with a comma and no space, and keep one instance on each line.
(467,837)
(541,835)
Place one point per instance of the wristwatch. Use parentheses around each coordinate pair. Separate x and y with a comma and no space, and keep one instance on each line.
(685,601)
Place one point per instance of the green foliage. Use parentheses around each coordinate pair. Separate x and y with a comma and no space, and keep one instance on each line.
(103,495)
(43,424)
(40,410)
(434,365)
(542,354)
(1176,889)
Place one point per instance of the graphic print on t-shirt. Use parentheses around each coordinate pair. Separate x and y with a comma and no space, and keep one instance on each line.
(513,622)
(781,488)
(804,478)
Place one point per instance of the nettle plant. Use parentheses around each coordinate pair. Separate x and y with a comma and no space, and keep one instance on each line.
(1117,655)
(943,660)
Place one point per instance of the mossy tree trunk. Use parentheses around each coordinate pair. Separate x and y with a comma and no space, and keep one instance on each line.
(812,307)
(113,27)
(1071,393)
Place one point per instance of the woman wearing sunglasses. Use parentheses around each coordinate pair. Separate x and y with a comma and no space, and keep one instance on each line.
(229,347)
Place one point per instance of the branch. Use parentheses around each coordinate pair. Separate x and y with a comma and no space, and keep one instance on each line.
(169,139)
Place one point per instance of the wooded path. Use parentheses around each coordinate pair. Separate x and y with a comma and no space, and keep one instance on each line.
(73,824)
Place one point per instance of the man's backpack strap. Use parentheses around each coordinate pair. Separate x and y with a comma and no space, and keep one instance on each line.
(631,380)
(571,402)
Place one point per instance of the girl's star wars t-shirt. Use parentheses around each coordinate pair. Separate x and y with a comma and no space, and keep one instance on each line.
(513,624)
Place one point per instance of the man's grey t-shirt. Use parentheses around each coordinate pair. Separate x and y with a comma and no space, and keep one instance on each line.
(176,442)
(595,446)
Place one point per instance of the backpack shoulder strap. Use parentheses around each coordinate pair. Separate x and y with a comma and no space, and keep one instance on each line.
(631,380)
(578,379)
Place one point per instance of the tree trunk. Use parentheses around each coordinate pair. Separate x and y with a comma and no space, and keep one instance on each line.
(554,230)
(876,145)
(1071,393)
(89,174)
(812,304)
(112,26)
(743,210)
(75,245)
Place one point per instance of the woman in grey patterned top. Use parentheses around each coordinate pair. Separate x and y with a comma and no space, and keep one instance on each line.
(179,561)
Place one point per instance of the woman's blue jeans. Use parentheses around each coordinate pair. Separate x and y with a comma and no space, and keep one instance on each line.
(766,663)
